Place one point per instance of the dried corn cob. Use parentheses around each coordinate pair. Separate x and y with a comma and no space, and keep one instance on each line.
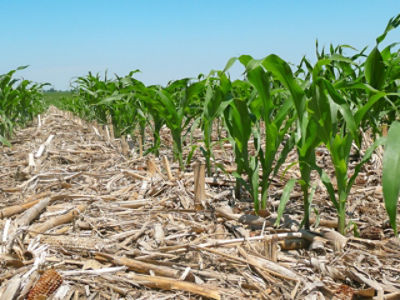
(47,284)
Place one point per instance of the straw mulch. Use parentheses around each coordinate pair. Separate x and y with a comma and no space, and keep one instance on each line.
(85,216)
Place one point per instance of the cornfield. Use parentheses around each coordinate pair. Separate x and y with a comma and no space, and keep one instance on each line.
(273,110)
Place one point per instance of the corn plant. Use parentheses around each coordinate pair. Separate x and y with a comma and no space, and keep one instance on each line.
(133,112)
(20,101)
(325,103)
(275,112)
(253,107)
(306,135)
(239,123)
(216,99)
(148,98)
(174,105)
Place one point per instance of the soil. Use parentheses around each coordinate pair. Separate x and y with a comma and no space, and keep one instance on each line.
(84,215)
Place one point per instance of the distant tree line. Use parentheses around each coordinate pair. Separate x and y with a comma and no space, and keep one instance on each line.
(53,90)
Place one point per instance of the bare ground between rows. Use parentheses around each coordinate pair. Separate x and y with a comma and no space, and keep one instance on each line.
(115,225)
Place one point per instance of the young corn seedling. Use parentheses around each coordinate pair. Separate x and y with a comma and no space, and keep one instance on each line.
(148,99)
(275,114)
(174,106)
(216,99)
(338,135)
(132,112)
(239,125)
(306,134)
(247,114)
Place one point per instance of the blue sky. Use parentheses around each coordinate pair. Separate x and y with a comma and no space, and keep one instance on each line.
(171,39)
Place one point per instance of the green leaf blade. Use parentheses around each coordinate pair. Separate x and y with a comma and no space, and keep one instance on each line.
(375,69)
(391,173)
(284,199)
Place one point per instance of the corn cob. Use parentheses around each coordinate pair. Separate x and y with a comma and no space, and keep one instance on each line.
(47,284)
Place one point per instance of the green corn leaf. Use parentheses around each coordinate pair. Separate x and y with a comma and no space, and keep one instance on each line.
(284,200)
(109,100)
(167,107)
(258,77)
(339,147)
(360,114)
(340,58)
(375,69)
(320,111)
(310,140)
(289,145)
(241,124)
(254,184)
(318,67)
(344,110)
(230,63)
(245,59)
(22,68)
(391,173)
(190,155)
(386,52)
(283,113)
(282,71)
(328,185)
(392,24)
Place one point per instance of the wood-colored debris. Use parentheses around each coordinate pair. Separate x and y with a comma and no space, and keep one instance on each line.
(86,216)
